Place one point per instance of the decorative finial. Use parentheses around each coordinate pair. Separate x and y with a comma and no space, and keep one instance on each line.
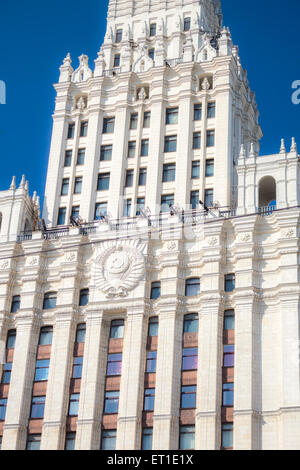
(22,184)
(38,202)
(242,151)
(67,60)
(26,186)
(252,151)
(282,148)
(294,145)
(13,183)
(34,197)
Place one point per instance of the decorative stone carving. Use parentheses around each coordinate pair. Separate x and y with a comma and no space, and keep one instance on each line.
(83,72)
(289,233)
(32,261)
(118,267)
(171,246)
(245,237)
(213,241)
(70,257)
(206,52)
(4,265)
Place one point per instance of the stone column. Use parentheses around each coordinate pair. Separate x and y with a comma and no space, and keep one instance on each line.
(132,380)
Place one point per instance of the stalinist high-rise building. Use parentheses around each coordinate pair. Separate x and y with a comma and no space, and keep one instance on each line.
(154,304)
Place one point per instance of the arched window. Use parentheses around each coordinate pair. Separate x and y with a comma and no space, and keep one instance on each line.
(267,192)
(192,287)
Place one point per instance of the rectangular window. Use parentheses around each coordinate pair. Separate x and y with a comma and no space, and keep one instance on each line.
(106,153)
(143,177)
(131,149)
(140,205)
(84,129)
(191,323)
(147,439)
(75,212)
(111,405)
(103,182)
(187,24)
(152,30)
(108,440)
(77,367)
(129,178)
(172,116)
(190,359)
(42,370)
(145,148)
(227,436)
(147,119)
(167,201)
(229,282)
(37,407)
(170,143)
(211,110)
(81,157)
(127,208)
(151,362)
(3,404)
(187,438)
(71,130)
(11,339)
(119,35)
(65,187)
(194,199)
(68,158)
(188,397)
(209,197)
(108,125)
(196,169)
(78,185)
(80,333)
(229,320)
(70,441)
(196,140)
(228,359)
(50,299)
(153,327)
(46,335)
(61,218)
(134,117)
(117,60)
(149,399)
(169,171)
(83,297)
(197,112)
(15,304)
(228,394)
(74,404)
(209,168)
(7,368)
(151,53)
(114,364)
(117,329)
(100,210)
(33,442)
(155,290)
(210,139)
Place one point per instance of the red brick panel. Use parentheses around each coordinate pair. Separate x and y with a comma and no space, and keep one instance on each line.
(35,426)
(150,380)
(39,389)
(113,383)
(190,340)
(227,414)
(109,421)
(44,352)
(189,377)
(115,346)
(71,423)
(152,343)
(75,386)
(228,337)
(187,417)
(228,374)
(10,355)
(79,350)
(4,389)
(147,419)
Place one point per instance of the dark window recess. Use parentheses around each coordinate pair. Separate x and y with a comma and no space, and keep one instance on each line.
(50,299)
(46,336)
(71,130)
(191,322)
(15,304)
(211,110)
(153,327)
(83,297)
(198,112)
(80,333)
(149,399)
(84,129)
(155,290)
(192,287)
(134,120)
(190,359)
(229,282)
(117,329)
(108,125)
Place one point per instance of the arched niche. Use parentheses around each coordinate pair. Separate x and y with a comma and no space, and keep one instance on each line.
(267,192)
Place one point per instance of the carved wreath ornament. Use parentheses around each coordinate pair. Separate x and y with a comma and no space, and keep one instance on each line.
(118,268)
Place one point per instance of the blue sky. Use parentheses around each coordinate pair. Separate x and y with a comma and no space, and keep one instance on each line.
(35,36)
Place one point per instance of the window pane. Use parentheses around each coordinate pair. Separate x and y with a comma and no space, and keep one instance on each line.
(114,364)
(65,187)
(11,340)
(194,199)
(228,394)
(191,323)
(37,407)
(170,144)
(84,297)
(131,149)
(153,326)
(127,208)
(78,185)
(169,172)
(211,110)
(229,283)
(134,121)
(155,290)
(152,29)
(46,336)
(229,320)
(111,405)
(166,202)
(147,119)
(103,182)
(77,367)
(227,436)
(42,370)
(149,399)
(190,359)
(84,129)
(192,287)
(197,140)
(172,116)
(70,441)
(117,329)
(3,404)
(196,169)
(74,404)
(210,139)
(119,35)
(197,112)
(68,158)
(209,197)
(187,24)
(228,356)
(34,442)
(61,219)
(100,210)
(142,177)
(80,157)
(108,441)
(151,53)
(16,302)
(108,125)
(117,60)
(71,131)
(188,397)
(129,179)
(106,153)
(80,335)
(151,362)
(187,437)
(209,168)
(75,212)
(145,148)
(147,439)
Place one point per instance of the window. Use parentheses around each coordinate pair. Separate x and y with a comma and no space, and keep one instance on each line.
(75,212)
(50,299)
(103,182)
(117,60)
(100,210)
(111,405)
(119,35)
(187,437)
(11,339)
(147,438)
(116,329)
(127,208)
(33,442)
(196,140)
(74,404)
(68,158)
(227,436)
(210,139)
(41,370)
(191,323)
(83,297)
(0,442)
(172,116)
(114,364)
(209,197)
(142,176)
(131,149)
(84,129)
(129,179)
(140,205)
(65,187)
(228,359)
(105,153)
(152,29)
(229,282)
(169,171)
(70,441)
(7,368)
(147,119)
(196,169)
(46,336)
(78,185)
(167,201)
(229,320)
(170,144)
(3,404)
(15,304)
(37,407)
(71,130)
(145,148)
(197,112)
(209,168)
(228,394)
(80,333)
(81,157)
(187,24)
(151,53)
(61,219)
(190,359)
(153,327)
(194,199)
(108,125)
(77,367)
(192,287)
(155,290)
(108,441)
(211,110)
(188,397)
(134,120)
(151,362)
(149,398)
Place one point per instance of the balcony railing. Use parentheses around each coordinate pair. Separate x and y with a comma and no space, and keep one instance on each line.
(112,72)
(174,62)
(54,234)
(24,236)
(267,210)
